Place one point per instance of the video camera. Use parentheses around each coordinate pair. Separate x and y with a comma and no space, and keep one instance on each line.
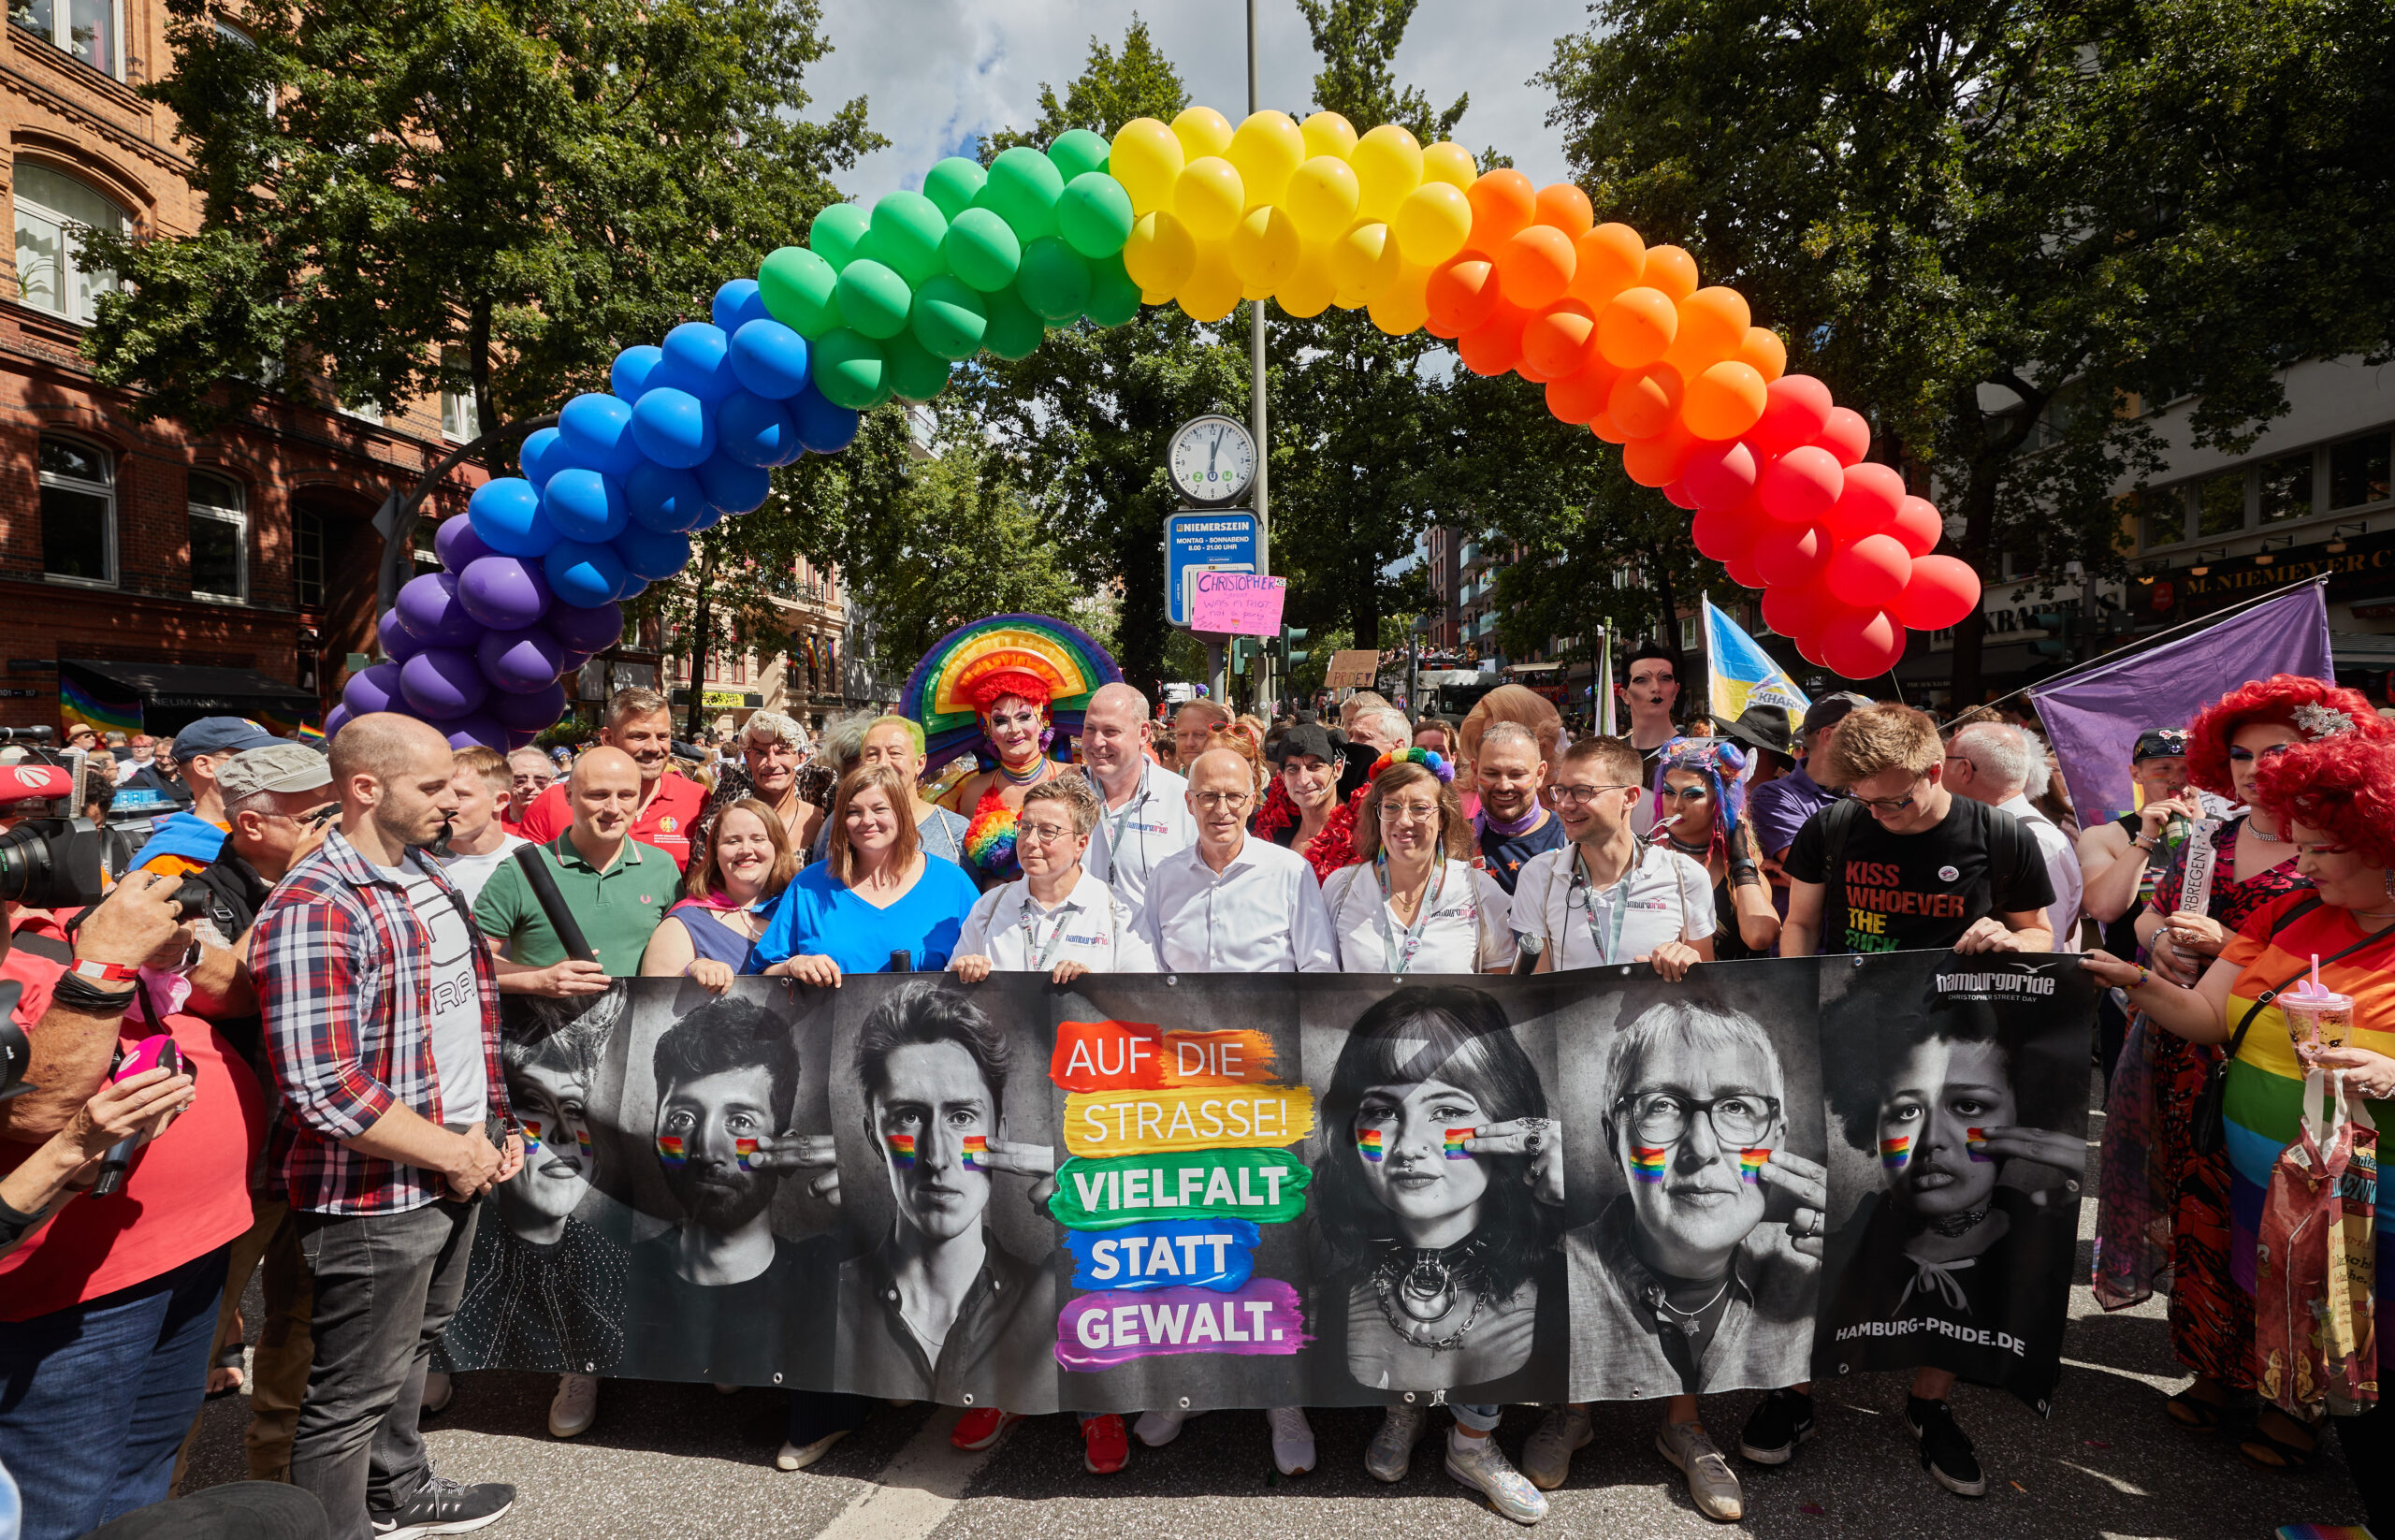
(52,856)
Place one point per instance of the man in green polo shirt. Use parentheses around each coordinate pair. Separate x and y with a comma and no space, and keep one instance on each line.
(617,889)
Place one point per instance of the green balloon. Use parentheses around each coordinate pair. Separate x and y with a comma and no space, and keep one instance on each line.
(1077,150)
(1113,298)
(953,183)
(873,299)
(912,372)
(1022,190)
(1013,332)
(801,291)
(848,369)
(949,318)
(1054,281)
(907,228)
(1094,214)
(835,232)
(981,248)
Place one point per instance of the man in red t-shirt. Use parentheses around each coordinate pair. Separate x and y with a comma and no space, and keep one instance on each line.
(641,724)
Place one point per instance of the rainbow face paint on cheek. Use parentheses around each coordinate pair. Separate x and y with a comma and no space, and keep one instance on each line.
(1896,1154)
(744,1151)
(902,1150)
(532,1128)
(670,1150)
(1455,1141)
(1750,1164)
(977,1152)
(1368,1144)
(1646,1163)
(582,1139)
(1975,1141)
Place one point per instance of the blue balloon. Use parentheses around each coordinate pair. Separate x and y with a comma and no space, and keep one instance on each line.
(665,500)
(584,505)
(698,358)
(769,359)
(539,457)
(633,588)
(627,377)
(752,430)
(598,430)
(583,575)
(652,554)
(824,429)
(506,513)
(732,487)
(737,304)
(673,426)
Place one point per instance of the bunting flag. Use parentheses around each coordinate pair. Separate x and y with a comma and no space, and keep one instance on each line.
(1740,674)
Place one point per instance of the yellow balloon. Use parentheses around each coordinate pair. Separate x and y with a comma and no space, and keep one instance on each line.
(1208,198)
(1322,197)
(1202,131)
(1309,290)
(1264,250)
(1365,261)
(1432,223)
(1451,163)
(1388,166)
(1155,296)
(1145,160)
(1401,309)
(1160,254)
(1210,291)
(1266,148)
(1329,134)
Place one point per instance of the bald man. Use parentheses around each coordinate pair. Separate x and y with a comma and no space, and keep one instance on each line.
(616,888)
(1146,815)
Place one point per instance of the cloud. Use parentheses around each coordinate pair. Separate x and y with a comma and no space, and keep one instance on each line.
(941,73)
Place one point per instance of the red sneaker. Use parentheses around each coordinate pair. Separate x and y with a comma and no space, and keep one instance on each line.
(1105,1448)
(982,1426)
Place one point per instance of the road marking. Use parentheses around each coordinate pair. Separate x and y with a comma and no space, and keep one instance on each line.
(920,1486)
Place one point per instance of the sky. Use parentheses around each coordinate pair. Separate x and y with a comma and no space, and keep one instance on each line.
(938,74)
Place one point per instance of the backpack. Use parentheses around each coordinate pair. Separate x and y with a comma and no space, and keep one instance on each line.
(2011,849)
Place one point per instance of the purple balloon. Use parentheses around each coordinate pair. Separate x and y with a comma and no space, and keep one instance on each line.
(519,662)
(585,629)
(442,683)
(335,719)
(466,731)
(371,689)
(530,713)
(505,594)
(457,545)
(429,606)
(397,641)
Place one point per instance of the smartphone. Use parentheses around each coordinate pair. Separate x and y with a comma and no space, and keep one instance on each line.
(158,1053)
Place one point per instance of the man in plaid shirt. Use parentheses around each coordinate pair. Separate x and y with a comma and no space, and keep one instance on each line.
(381,1015)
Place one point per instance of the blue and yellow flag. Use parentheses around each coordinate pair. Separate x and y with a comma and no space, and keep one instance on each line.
(1741,674)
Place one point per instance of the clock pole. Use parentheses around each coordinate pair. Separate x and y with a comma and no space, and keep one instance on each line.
(1264,685)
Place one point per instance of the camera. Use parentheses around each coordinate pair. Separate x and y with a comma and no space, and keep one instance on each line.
(52,856)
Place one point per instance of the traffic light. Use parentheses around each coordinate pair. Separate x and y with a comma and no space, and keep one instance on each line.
(1292,646)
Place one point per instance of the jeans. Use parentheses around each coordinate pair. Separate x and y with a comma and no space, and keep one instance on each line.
(385,1286)
(1480,1419)
(95,1400)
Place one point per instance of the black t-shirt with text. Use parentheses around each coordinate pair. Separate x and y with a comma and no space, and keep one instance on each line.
(1909,893)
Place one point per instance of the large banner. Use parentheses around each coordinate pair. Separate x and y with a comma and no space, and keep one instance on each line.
(1210,1191)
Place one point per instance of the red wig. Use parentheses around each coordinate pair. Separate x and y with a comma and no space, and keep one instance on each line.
(2276,699)
(996,685)
(2343,787)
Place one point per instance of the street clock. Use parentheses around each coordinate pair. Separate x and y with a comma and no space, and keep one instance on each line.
(1213,461)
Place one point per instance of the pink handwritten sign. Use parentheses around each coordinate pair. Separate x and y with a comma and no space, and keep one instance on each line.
(1237,604)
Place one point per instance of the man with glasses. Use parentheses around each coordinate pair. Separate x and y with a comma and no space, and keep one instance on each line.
(1903,864)
(531,771)
(1608,897)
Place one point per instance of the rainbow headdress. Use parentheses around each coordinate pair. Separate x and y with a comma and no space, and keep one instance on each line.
(1368,1144)
(1455,1142)
(1646,1165)
(1750,1164)
(1429,759)
(1031,655)
(1896,1153)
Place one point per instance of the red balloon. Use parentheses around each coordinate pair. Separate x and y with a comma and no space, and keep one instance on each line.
(1796,409)
(1602,425)
(1808,646)
(1942,590)
(1723,534)
(1860,644)
(1791,556)
(1741,569)
(1459,294)
(1495,345)
(1845,435)
(1801,485)
(1720,475)
(1918,526)
(1868,502)
(1577,398)
(1676,494)
(1796,612)
(1869,573)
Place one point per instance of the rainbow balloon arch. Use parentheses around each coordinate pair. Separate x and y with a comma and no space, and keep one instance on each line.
(1623,336)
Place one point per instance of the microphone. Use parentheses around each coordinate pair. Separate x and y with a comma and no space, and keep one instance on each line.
(1526,955)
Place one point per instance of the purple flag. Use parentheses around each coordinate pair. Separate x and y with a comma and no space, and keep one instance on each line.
(2095,716)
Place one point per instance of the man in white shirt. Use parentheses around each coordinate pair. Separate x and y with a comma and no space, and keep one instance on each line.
(1146,813)
(1607,898)
(478,837)
(2004,766)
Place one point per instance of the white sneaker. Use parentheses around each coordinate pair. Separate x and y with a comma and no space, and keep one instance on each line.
(1546,1459)
(1158,1429)
(791,1457)
(1478,1463)
(437,1391)
(1392,1450)
(1292,1439)
(575,1406)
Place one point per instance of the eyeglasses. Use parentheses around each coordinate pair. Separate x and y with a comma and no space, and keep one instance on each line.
(1041,834)
(1662,1117)
(1884,804)
(1216,801)
(1572,796)
(1400,812)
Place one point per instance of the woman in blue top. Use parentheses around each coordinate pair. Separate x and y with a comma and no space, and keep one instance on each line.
(877,893)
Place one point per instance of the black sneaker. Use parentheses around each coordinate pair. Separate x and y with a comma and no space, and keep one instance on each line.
(1945,1448)
(443,1507)
(1784,1420)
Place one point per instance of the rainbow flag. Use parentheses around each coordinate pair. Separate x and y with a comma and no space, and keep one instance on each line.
(80,702)
(669,1150)
(1750,1164)
(977,1152)
(1368,1144)
(1976,1141)
(1896,1154)
(745,1152)
(290,725)
(1456,1138)
(902,1150)
(1646,1165)
(311,732)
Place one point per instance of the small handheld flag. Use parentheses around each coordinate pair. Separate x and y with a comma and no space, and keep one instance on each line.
(1751,1163)
(1896,1153)
(1455,1142)
(1740,674)
(1368,1144)
(1646,1165)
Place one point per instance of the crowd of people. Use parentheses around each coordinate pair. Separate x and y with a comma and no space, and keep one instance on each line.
(342,1091)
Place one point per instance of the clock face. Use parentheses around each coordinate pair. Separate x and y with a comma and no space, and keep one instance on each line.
(1213,459)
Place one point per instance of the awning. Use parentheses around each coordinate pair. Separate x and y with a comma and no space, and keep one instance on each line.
(165,696)
(1533,668)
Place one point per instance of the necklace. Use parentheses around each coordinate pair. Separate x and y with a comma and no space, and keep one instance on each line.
(1687,849)
(1037,772)
(2254,828)
(1418,1288)
(1955,1226)
(1686,1319)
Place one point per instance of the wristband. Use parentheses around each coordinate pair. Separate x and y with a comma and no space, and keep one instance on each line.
(97,972)
(76,992)
(2145,842)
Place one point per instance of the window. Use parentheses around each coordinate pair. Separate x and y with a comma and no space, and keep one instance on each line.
(307,558)
(2286,488)
(2162,516)
(427,555)
(53,210)
(91,30)
(2358,471)
(219,538)
(2220,504)
(365,412)
(78,511)
(1689,634)
(459,422)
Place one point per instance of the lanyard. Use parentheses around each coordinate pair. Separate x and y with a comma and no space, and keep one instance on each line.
(1618,894)
(1119,820)
(1403,957)
(1043,957)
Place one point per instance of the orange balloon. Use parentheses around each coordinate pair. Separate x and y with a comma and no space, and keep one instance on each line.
(1578,397)
(1713,322)
(1602,426)
(1637,327)
(1725,401)
(1534,265)
(1461,295)
(1564,207)
(1761,350)
(1495,345)
(1644,400)
(1607,260)
(1659,459)
(1403,309)
(1670,269)
(1560,341)
(1502,201)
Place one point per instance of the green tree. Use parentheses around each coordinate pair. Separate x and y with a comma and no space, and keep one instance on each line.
(1999,228)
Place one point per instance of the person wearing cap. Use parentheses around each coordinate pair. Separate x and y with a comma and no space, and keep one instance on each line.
(2121,859)
(1777,809)
(184,843)
(1769,729)
(641,724)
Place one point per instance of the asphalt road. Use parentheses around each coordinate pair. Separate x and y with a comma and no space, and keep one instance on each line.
(683,1460)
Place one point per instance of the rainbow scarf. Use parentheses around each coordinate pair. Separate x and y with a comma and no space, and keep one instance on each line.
(1368,1144)
(902,1150)
(977,1152)
(1896,1153)
(1975,1139)
(1455,1142)
(1751,1163)
(668,1151)
(1646,1165)
(989,837)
